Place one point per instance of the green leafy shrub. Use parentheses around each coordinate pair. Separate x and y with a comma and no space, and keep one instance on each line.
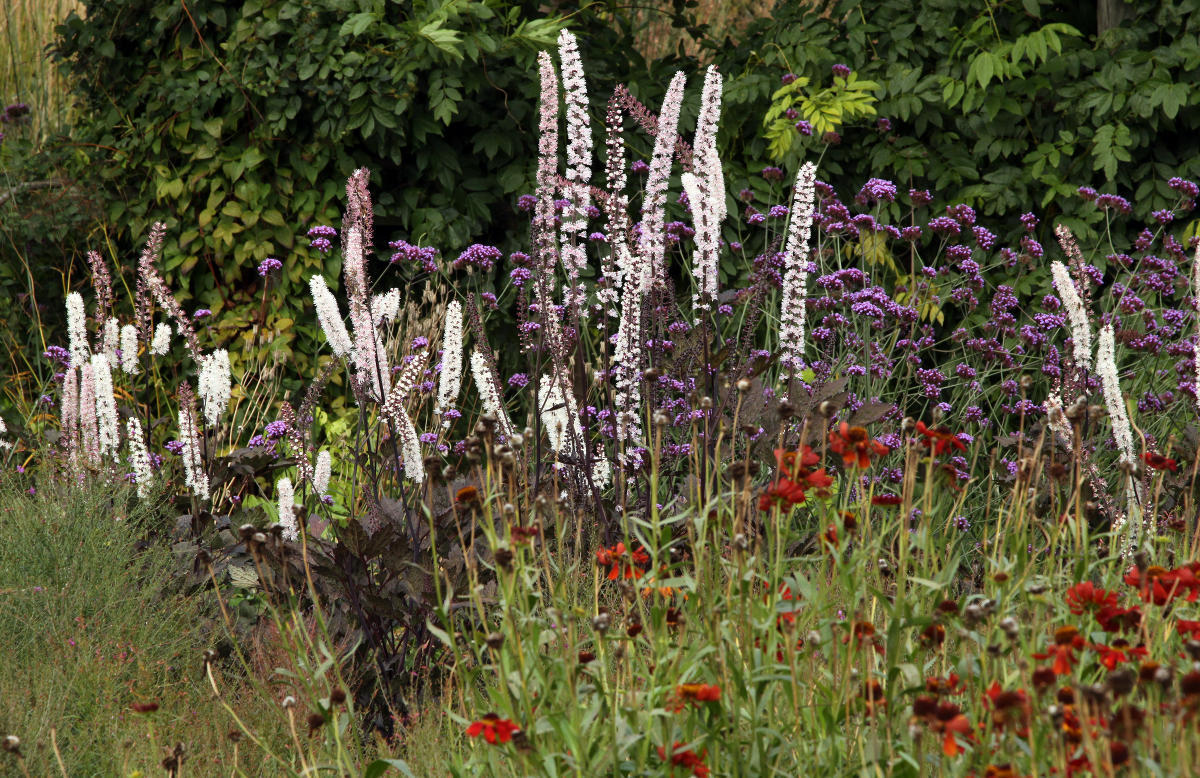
(240,123)
(1007,106)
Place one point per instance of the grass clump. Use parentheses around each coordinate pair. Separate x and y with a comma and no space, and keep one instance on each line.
(102,650)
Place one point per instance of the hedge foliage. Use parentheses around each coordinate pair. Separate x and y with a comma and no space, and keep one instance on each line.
(238,123)
(1006,105)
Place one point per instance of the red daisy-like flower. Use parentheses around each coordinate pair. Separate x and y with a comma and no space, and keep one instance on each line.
(1159,462)
(855,445)
(493,728)
(622,563)
(795,479)
(1189,628)
(680,757)
(888,500)
(1066,641)
(694,694)
(939,439)
(1160,586)
(1010,709)
(1111,656)
(1086,596)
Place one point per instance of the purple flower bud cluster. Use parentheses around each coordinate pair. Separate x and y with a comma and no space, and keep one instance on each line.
(425,256)
(479,257)
(268,266)
(320,238)
(876,190)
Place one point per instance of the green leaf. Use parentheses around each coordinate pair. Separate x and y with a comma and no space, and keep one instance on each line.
(357,24)
(380,766)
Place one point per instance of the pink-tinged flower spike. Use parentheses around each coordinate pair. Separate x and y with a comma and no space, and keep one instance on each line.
(706,193)
(616,209)
(102,283)
(129,350)
(300,449)
(627,356)
(579,171)
(486,385)
(370,358)
(544,238)
(162,294)
(1081,328)
(410,442)
(385,307)
(409,374)
(795,275)
(110,340)
(410,447)
(359,212)
(215,384)
(77,330)
(68,426)
(652,247)
(139,457)
(450,380)
(89,432)
(161,343)
(707,161)
(323,472)
(705,257)
(560,417)
(107,425)
(329,316)
(194,476)
(1106,368)
(286,495)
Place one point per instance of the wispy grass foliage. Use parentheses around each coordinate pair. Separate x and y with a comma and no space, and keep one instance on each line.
(27,74)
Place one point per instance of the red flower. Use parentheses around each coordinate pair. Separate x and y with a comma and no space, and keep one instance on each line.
(1066,640)
(493,728)
(1188,628)
(682,758)
(887,499)
(1159,462)
(864,632)
(948,685)
(958,725)
(792,463)
(783,492)
(1009,709)
(795,479)
(1087,597)
(939,439)
(694,693)
(789,615)
(1111,656)
(855,445)
(633,567)
(1160,586)
(1114,619)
